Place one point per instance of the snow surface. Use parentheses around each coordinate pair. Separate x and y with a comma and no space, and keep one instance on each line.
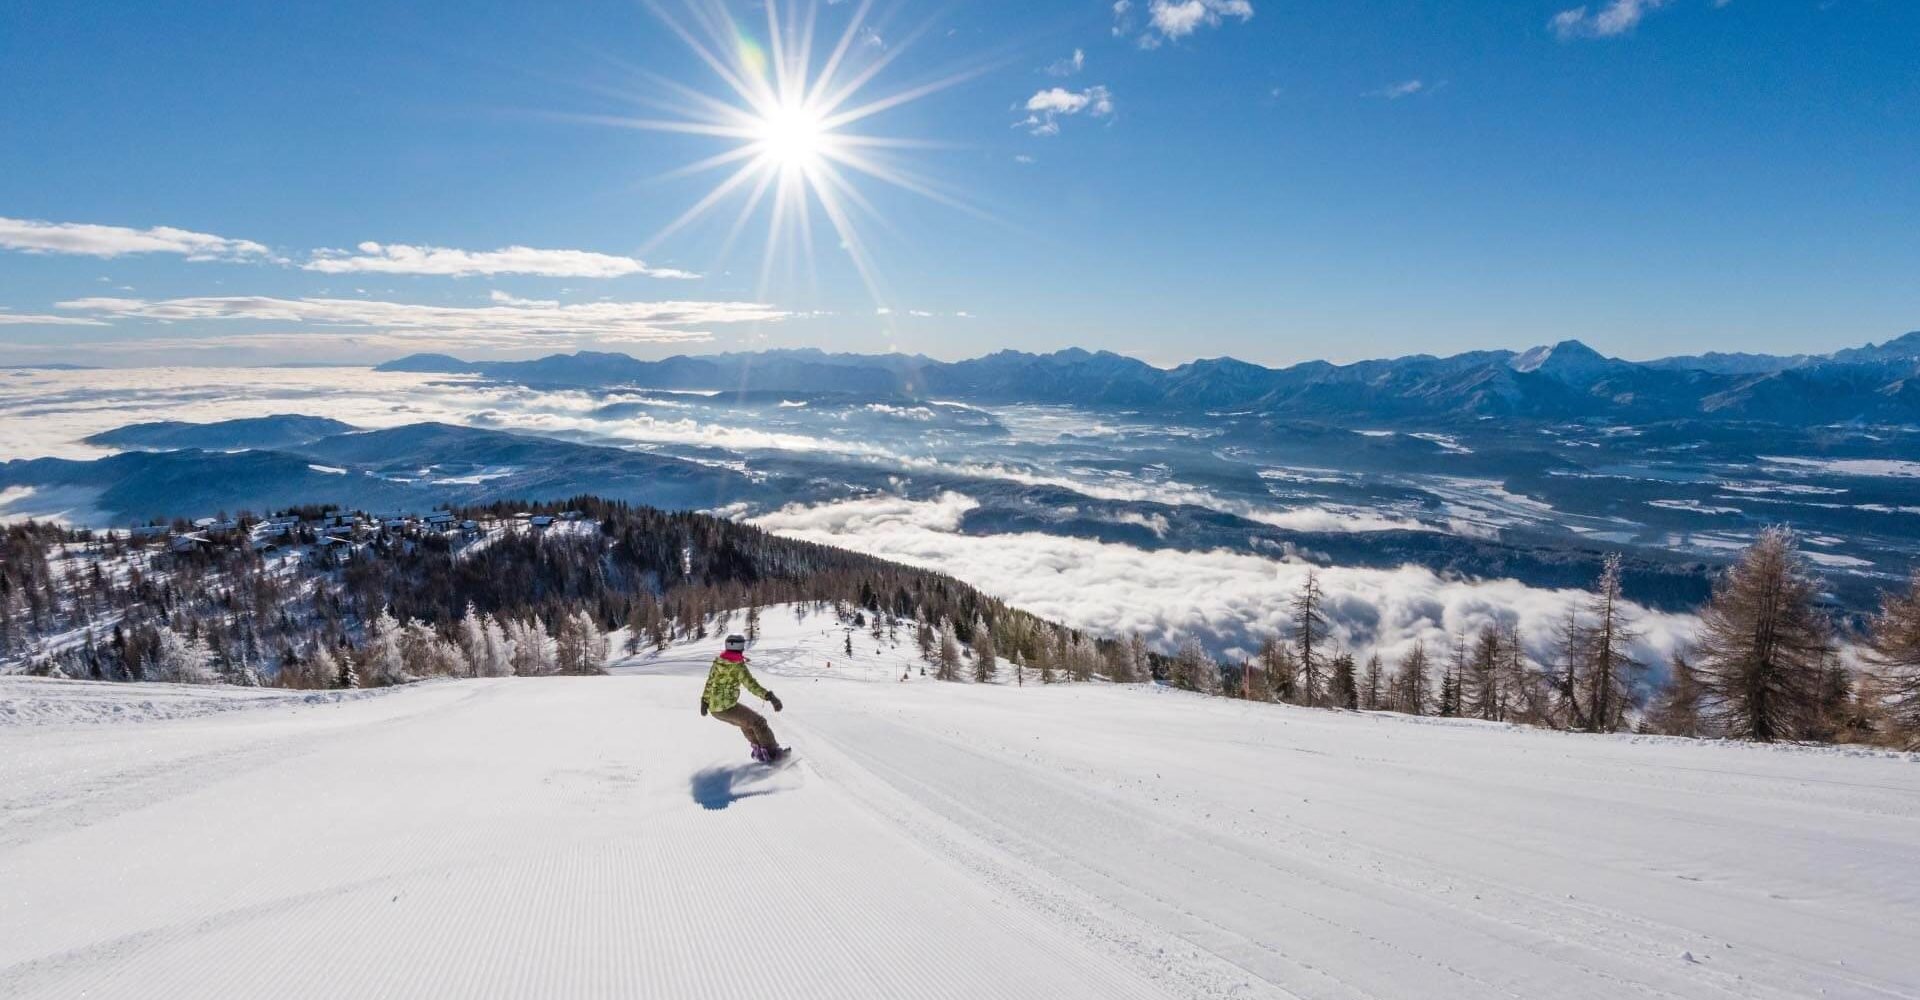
(41,701)
(596,837)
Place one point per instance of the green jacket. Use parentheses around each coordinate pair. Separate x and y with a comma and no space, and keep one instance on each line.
(724,681)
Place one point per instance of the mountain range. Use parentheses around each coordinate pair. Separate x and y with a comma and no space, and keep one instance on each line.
(1878,383)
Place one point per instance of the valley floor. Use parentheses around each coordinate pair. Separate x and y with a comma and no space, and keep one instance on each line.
(595,837)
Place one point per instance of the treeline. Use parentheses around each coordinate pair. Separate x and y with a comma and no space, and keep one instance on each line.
(1767,665)
(411,605)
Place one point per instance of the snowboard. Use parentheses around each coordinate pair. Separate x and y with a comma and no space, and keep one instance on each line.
(779,757)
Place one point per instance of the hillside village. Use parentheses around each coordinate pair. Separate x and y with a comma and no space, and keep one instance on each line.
(332,537)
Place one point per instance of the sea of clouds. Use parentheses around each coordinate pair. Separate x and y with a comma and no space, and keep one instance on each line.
(1231,600)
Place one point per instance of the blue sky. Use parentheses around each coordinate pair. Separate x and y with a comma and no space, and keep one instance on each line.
(1277,181)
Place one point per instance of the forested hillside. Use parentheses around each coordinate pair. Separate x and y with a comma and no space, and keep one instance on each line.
(320,599)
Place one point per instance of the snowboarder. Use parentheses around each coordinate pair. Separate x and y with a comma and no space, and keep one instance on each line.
(721,699)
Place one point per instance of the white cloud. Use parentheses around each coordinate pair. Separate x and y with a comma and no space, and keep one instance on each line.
(1069,65)
(502,298)
(1616,18)
(399,258)
(1396,91)
(1046,107)
(607,321)
(90,240)
(1229,599)
(1168,20)
(8,318)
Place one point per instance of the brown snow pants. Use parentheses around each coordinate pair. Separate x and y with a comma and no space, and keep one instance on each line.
(751,723)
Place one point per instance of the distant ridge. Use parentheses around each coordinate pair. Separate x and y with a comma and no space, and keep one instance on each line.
(1568,380)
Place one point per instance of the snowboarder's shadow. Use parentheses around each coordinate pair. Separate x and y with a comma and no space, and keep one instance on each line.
(719,787)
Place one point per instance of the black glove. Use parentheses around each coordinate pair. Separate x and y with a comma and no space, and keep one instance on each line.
(703,704)
(774,700)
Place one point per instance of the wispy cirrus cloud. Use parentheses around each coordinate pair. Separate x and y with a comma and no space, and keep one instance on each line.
(92,240)
(1395,91)
(629,322)
(1069,65)
(1171,20)
(1616,18)
(1045,108)
(401,258)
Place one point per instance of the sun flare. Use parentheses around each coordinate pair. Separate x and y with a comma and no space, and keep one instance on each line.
(786,112)
(794,137)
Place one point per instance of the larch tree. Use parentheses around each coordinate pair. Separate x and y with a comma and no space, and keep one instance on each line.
(949,663)
(1893,644)
(1309,626)
(986,659)
(1413,681)
(1481,688)
(1763,643)
(1676,711)
(1276,662)
(1194,670)
(1612,673)
(1370,685)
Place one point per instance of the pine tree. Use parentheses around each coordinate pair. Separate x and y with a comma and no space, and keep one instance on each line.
(1763,644)
(1309,624)
(1344,694)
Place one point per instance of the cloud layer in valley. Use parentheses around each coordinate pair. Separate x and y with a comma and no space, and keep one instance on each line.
(1229,600)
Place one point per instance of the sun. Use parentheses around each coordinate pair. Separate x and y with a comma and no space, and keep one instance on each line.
(794,137)
(785,116)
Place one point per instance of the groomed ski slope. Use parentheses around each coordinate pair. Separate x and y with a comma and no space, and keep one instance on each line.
(594,837)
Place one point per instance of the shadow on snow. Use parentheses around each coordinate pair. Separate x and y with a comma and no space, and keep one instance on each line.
(720,787)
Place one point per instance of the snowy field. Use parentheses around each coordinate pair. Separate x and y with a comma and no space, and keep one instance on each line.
(595,837)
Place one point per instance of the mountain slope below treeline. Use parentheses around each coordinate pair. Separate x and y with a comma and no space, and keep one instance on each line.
(276,431)
(1564,381)
(596,837)
(411,467)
